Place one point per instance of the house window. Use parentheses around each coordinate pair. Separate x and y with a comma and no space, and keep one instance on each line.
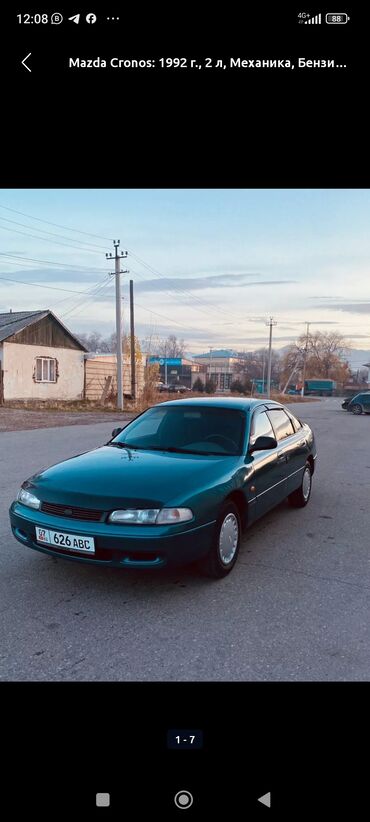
(45,369)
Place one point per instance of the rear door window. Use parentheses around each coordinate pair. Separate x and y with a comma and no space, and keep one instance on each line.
(282,425)
(296,422)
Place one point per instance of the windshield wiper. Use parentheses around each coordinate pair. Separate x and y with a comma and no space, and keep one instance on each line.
(124,445)
(173,450)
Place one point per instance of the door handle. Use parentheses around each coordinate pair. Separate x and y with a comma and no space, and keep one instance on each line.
(282,458)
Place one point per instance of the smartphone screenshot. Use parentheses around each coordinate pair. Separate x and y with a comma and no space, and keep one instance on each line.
(184,410)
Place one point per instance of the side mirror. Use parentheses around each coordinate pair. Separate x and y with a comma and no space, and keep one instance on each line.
(116,431)
(263,444)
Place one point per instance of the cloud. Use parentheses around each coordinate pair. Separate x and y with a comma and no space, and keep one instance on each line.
(199,283)
(353,308)
(54,275)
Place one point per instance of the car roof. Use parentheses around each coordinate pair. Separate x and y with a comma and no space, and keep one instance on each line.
(239,403)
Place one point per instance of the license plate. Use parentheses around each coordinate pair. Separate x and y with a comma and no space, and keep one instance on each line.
(69,542)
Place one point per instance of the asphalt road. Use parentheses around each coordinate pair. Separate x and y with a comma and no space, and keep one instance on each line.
(296,606)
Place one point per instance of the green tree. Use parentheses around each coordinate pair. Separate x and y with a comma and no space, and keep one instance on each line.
(198,385)
(237,387)
(210,387)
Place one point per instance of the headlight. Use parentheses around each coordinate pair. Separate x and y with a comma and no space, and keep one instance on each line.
(28,499)
(172,515)
(139,516)
(152,516)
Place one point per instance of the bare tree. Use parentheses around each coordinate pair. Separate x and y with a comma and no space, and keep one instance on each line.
(255,365)
(325,356)
(94,342)
(172,347)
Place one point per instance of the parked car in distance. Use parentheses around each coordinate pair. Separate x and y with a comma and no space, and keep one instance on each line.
(162,386)
(177,485)
(176,388)
(345,402)
(359,404)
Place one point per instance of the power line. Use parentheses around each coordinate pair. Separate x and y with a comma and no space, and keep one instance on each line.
(170,293)
(46,240)
(150,310)
(38,285)
(175,290)
(51,233)
(81,302)
(57,225)
(53,262)
(85,292)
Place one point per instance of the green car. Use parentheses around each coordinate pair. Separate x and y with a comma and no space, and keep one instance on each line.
(358,404)
(177,485)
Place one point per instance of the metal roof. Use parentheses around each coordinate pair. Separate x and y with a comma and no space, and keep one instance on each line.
(219,352)
(12,322)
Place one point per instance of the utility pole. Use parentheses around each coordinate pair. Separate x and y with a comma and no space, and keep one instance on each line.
(270,323)
(117,272)
(165,363)
(304,360)
(290,376)
(132,335)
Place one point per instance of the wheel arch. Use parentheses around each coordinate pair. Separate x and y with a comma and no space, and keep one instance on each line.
(311,463)
(239,499)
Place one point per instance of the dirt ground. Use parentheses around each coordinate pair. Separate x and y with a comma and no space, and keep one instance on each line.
(19,419)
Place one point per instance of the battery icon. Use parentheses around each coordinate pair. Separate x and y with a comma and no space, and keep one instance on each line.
(336,19)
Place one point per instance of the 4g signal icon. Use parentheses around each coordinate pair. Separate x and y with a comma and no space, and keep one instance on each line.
(304,17)
(314,20)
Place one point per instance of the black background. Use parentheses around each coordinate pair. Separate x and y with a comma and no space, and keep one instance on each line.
(240,127)
(61,743)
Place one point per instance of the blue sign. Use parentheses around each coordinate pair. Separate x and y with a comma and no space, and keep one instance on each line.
(163,360)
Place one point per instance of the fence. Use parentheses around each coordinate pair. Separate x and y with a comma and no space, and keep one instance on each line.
(101,379)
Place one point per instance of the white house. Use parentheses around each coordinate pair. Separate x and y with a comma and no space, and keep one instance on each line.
(39,358)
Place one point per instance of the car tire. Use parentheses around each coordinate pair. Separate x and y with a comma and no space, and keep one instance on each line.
(300,497)
(216,564)
(356,409)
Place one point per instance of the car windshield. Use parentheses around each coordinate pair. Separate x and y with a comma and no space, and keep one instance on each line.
(191,429)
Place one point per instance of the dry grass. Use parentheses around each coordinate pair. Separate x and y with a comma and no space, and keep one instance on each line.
(287,399)
(60,405)
(150,397)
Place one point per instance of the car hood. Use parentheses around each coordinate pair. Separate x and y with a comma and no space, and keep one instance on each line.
(108,477)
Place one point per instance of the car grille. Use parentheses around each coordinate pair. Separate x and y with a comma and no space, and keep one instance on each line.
(72,512)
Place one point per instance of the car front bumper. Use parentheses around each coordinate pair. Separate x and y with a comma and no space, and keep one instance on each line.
(121,546)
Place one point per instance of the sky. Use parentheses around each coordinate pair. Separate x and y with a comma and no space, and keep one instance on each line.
(209,265)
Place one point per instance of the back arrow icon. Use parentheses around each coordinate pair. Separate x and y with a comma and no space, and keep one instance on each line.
(24,61)
(265,799)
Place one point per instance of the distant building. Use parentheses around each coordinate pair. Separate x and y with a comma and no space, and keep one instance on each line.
(222,366)
(179,370)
